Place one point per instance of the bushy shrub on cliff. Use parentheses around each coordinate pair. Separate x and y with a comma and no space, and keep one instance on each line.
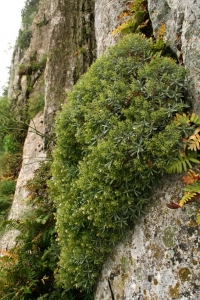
(28,13)
(115,137)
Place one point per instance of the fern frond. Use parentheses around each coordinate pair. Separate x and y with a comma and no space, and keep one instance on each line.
(193,188)
(195,119)
(186,197)
(190,177)
(179,164)
(198,218)
(194,140)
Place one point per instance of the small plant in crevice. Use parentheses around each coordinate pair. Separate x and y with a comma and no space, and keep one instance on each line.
(28,13)
(188,154)
(33,66)
(135,19)
(116,136)
(191,192)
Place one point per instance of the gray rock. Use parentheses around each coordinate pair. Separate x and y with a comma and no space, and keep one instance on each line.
(182,21)
(106,20)
(159,259)
(33,155)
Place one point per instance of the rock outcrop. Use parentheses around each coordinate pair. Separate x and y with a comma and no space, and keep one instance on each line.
(182,31)
(159,259)
(62,47)
(106,20)
(33,155)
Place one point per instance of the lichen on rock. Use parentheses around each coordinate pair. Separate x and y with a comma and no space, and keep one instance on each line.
(161,254)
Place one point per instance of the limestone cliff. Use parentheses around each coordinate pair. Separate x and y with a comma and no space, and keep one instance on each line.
(160,258)
(61,49)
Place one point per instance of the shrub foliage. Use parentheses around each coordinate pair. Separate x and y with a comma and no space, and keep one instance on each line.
(28,13)
(28,270)
(116,135)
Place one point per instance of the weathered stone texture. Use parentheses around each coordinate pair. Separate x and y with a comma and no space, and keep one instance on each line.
(33,155)
(182,20)
(106,20)
(159,259)
(71,50)
(64,32)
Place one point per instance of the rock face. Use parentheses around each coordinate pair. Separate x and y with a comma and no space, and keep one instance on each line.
(182,23)
(33,155)
(159,259)
(106,20)
(71,50)
(62,32)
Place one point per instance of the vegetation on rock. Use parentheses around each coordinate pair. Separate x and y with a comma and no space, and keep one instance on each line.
(124,125)
(11,139)
(28,13)
(116,136)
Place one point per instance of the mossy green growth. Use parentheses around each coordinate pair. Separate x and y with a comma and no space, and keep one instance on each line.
(28,13)
(116,136)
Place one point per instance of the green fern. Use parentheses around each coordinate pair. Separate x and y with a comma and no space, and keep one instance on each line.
(195,119)
(193,188)
(181,163)
(186,197)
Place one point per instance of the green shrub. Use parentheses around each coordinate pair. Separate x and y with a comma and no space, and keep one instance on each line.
(115,138)
(11,145)
(33,66)
(28,13)
(12,134)
(7,189)
(24,38)
(36,104)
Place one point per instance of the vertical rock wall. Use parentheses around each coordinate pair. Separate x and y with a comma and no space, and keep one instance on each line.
(62,31)
(106,20)
(71,50)
(182,21)
(159,259)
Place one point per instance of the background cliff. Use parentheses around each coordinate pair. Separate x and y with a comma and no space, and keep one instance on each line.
(159,259)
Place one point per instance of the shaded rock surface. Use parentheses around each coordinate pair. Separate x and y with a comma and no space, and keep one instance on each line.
(106,20)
